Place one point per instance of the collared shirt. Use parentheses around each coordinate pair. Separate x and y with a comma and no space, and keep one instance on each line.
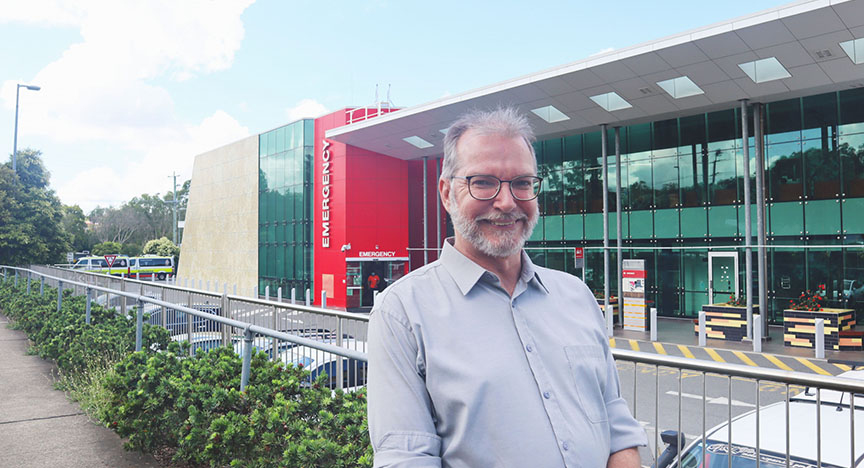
(461,374)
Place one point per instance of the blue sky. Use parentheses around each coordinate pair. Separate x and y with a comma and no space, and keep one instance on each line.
(132,90)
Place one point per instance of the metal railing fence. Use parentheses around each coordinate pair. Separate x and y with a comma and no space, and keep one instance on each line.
(684,407)
(319,339)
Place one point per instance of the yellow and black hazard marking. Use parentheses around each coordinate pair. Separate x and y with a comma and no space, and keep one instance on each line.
(747,358)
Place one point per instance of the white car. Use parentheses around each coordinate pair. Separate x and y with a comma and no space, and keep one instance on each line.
(320,362)
(836,436)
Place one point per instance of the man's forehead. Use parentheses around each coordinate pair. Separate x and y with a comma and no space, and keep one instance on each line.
(476,141)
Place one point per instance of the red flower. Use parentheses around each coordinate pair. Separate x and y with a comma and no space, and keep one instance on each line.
(822,287)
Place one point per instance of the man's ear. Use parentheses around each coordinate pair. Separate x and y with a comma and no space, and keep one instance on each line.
(444,191)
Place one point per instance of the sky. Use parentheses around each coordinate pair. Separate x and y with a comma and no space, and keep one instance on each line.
(132,90)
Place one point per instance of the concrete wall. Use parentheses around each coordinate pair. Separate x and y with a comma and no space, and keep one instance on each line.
(220,241)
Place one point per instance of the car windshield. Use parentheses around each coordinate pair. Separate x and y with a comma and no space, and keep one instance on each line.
(717,456)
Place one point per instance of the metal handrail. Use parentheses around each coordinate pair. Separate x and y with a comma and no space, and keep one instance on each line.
(249,329)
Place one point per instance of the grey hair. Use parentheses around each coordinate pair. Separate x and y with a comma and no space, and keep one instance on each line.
(504,121)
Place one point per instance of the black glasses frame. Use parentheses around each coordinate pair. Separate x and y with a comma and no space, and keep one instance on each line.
(539,181)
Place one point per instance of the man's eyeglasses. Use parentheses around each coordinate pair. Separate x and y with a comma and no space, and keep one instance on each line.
(486,187)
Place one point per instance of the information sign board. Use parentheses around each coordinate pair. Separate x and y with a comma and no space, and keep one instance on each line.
(633,297)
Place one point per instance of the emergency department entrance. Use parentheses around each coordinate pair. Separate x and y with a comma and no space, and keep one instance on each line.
(365,276)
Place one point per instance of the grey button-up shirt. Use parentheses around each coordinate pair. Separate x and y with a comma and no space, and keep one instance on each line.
(461,374)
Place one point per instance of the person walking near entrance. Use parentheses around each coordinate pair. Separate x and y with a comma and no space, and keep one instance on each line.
(481,358)
(372,281)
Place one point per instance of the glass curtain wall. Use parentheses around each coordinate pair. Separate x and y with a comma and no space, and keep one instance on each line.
(285,157)
(682,193)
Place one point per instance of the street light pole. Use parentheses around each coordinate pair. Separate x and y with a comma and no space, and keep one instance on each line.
(15,141)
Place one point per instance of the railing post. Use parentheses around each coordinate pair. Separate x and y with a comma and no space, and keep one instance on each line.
(122,298)
(42,286)
(702,331)
(757,333)
(653,324)
(323,299)
(820,338)
(226,330)
(247,358)
(189,324)
(87,307)
(59,295)
(610,311)
(275,341)
(339,372)
(16,278)
(139,324)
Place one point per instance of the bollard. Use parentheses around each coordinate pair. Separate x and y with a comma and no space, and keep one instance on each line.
(757,333)
(820,338)
(279,294)
(308,296)
(247,358)
(610,311)
(374,298)
(702,331)
(139,325)
(293,296)
(59,295)
(42,286)
(323,299)
(87,307)
(653,324)
(267,293)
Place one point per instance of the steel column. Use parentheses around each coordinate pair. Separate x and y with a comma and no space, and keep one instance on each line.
(748,229)
(603,156)
(619,279)
(59,295)
(139,324)
(758,123)
(425,213)
(248,336)
(87,307)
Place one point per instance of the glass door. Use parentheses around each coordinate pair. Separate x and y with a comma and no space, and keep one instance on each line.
(354,285)
(722,276)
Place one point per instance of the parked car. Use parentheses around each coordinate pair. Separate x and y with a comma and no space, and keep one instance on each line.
(836,436)
(321,362)
(853,290)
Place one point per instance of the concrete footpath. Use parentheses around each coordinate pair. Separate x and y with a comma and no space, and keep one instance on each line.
(39,426)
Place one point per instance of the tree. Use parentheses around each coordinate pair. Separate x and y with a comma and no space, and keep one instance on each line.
(75,224)
(106,248)
(31,229)
(162,246)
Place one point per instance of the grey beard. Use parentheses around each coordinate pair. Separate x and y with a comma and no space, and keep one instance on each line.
(506,245)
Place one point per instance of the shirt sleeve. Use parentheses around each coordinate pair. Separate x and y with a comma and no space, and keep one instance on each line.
(625,431)
(401,425)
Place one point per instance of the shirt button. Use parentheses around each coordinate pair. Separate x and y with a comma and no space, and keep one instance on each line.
(565,446)
(529,348)
(547,395)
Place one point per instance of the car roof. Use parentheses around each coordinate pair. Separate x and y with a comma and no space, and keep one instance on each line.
(835,424)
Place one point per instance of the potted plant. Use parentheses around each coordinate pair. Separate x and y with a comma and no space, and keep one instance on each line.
(726,320)
(799,320)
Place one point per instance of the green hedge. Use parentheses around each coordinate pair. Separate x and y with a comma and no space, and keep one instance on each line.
(191,408)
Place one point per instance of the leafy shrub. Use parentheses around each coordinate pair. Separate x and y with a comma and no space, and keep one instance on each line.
(809,300)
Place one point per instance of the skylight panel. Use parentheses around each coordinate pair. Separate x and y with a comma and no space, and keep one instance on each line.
(855,50)
(418,142)
(680,87)
(611,101)
(550,114)
(768,69)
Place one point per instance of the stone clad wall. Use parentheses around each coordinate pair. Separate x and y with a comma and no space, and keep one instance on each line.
(220,239)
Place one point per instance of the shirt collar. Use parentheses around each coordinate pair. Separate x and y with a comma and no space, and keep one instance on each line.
(466,273)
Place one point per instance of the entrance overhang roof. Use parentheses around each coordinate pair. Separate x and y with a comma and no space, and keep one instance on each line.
(804,37)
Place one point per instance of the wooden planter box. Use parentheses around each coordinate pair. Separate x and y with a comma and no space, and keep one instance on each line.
(799,326)
(725,322)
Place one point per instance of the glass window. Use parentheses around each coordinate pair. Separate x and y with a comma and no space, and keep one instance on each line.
(822,167)
(693,130)
(722,177)
(783,121)
(851,111)
(593,185)
(573,148)
(552,150)
(820,116)
(666,182)
(723,128)
(280,139)
(640,183)
(574,187)
(852,162)
(693,174)
(552,196)
(785,171)
(639,138)
(665,134)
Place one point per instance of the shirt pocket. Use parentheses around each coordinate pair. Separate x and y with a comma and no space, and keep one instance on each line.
(588,369)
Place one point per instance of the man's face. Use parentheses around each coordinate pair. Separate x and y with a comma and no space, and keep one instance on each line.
(498,227)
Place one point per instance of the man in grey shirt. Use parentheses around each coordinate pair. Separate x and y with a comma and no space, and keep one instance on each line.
(483,359)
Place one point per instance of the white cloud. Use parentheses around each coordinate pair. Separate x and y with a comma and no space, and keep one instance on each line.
(306,109)
(104,88)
